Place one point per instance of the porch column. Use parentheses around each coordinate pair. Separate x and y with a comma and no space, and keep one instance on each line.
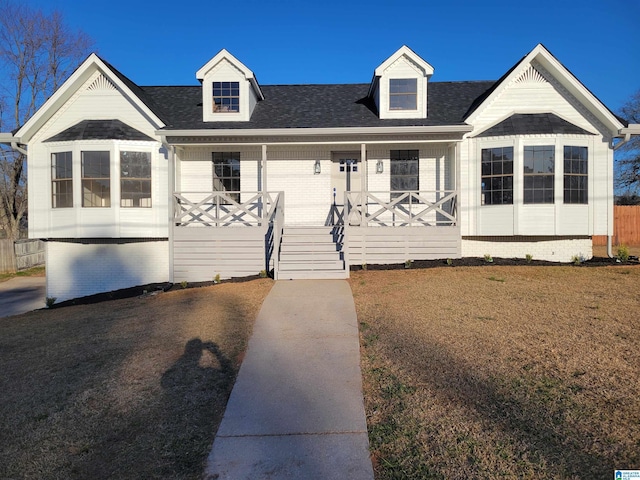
(263,163)
(171,154)
(456,151)
(364,183)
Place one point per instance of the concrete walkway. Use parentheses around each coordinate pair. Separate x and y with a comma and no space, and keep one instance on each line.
(296,410)
(21,295)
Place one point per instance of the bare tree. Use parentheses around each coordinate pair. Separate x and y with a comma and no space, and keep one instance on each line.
(628,161)
(37,54)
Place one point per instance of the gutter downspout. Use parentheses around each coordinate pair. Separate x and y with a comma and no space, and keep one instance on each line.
(632,129)
(18,149)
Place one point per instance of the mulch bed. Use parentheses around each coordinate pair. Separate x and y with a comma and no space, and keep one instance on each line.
(154,288)
(481,262)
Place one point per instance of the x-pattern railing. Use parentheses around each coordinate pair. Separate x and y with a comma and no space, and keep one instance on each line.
(221,209)
(427,208)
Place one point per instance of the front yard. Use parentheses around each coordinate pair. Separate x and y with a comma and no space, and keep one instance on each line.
(468,372)
(125,389)
(501,372)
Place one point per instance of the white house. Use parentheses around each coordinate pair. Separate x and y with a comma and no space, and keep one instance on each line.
(131,185)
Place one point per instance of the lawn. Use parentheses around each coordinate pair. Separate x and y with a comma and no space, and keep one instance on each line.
(126,389)
(501,372)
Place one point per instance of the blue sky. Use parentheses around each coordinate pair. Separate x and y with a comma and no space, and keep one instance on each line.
(332,41)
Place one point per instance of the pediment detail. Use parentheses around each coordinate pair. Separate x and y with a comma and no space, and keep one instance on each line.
(101,83)
(531,76)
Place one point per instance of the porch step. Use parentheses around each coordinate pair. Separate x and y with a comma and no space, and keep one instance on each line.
(311,252)
(313,275)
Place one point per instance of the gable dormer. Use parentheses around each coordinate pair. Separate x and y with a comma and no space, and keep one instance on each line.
(399,85)
(230,90)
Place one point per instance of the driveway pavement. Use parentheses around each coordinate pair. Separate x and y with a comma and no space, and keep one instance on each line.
(296,410)
(22,294)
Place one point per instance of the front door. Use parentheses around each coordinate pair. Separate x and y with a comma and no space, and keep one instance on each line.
(345,177)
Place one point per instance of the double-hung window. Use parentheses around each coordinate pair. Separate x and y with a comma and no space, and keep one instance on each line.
(96,181)
(575,174)
(226,174)
(404,172)
(497,176)
(226,97)
(539,167)
(61,180)
(403,94)
(135,179)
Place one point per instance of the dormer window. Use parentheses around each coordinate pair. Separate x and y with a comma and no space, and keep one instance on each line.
(399,86)
(403,94)
(226,97)
(230,91)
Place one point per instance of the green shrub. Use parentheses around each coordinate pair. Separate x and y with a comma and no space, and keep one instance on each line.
(216,279)
(488,258)
(623,253)
(184,284)
(449,262)
(529,257)
(49,301)
(263,274)
(577,259)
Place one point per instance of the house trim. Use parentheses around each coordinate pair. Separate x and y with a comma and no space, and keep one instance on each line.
(70,87)
(542,56)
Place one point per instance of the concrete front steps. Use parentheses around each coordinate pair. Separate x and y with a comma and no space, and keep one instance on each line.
(311,253)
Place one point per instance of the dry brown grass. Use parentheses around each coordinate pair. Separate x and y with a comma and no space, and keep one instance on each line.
(501,372)
(131,388)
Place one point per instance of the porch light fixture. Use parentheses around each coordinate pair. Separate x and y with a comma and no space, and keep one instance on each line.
(316,168)
(379,166)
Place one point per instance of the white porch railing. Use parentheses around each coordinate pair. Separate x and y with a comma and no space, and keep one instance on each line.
(220,209)
(393,209)
(274,234)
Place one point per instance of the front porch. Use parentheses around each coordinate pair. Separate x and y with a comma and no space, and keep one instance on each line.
(212,233)
(329,201)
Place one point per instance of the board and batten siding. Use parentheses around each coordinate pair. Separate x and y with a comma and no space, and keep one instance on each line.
(381,245)
(199,254)
(79,269)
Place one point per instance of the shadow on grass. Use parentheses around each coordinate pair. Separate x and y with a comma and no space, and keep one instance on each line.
(191,394)
(530,411)
(115,390)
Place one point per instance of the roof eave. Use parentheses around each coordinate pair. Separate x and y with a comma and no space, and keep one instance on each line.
(244,132)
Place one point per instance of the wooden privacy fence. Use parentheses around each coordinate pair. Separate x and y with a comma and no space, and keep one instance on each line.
(20,255)
(626,226)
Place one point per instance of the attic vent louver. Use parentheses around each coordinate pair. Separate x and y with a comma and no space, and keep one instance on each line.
(101,83)
(531,75)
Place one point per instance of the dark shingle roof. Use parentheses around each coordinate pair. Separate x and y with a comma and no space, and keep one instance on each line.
(533,124)
(316,106)
(99,130)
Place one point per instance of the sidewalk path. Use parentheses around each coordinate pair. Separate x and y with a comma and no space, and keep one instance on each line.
(21,295)
(296,410)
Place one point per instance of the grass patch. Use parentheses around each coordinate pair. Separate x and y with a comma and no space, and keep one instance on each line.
(539,391)
(129,389)
(31,272)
